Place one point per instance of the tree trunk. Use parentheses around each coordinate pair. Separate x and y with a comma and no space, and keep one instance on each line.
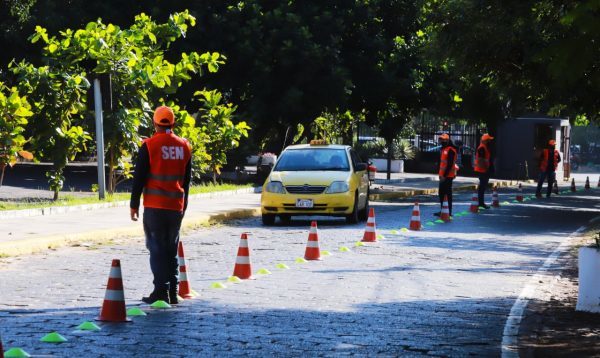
(55,197)
(111,172)
(2,174)
(215,176)
(389,159)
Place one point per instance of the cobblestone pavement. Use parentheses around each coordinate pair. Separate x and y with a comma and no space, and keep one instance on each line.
(444,291)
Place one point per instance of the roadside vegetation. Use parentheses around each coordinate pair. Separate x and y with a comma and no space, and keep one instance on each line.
(72,199)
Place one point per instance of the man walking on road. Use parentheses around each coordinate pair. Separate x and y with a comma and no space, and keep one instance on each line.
(548,163)
(483,167)
(447,170)
(163,173)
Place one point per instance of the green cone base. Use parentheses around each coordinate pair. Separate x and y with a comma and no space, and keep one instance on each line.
(404,229)
(53,337)
(301,260)
(344,249)
(234,279)
(325,253)
(160,304)
(89,326)
(16,353)
(136,311)
(430,223)
(263,271)
(282,266)
(439,221)
(217,285)
(359,243)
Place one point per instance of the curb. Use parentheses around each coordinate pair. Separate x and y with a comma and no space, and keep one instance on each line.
(410,193)
(29,246)
(54,210)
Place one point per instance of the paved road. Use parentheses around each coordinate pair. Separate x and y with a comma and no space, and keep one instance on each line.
(445,291)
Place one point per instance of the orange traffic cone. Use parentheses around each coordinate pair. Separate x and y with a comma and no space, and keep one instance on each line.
(520,193)
(415,220)
(474,208)
(312,245)
(370,231)
(242,268)
(113,308)
(495,201)
(555,188)
(445,214)
(185,290)
(587,182)
(573,188)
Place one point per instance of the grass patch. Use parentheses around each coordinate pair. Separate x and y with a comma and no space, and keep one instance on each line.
(71,200)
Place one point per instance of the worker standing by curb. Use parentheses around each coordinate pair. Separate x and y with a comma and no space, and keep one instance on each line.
(483,167)
(548,163)
(163,173)
(447,170)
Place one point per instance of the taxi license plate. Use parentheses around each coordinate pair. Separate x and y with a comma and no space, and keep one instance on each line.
(304,203)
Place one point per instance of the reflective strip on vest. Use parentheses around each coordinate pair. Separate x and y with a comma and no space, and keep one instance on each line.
(160,192)
(114,295)
(160,177)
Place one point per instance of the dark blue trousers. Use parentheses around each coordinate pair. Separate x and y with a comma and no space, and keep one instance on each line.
(161,227)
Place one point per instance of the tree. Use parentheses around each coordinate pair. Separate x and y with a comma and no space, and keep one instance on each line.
(58,95)
(142,76)
(14,111)
(220,133)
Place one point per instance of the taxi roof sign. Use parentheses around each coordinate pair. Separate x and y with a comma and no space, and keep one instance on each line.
(318,142)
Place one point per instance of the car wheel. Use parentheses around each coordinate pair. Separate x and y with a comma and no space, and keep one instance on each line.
(364,214)
(353,217)
(268,219)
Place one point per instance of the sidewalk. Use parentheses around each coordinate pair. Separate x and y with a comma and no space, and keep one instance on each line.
(24,235)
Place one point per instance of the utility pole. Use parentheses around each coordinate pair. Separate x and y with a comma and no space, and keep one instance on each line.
(99,139)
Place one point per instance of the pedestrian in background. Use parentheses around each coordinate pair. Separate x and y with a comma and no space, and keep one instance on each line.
(549,160)
(483,167)
(163,173)
(447,170)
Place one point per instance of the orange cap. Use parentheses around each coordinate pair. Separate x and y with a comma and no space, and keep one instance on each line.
(486,136)
(164,116)
(551,142)
(444,136)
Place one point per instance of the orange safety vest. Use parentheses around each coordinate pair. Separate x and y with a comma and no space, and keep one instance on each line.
(482,164)
(544,162)
(444,162)
(169,155)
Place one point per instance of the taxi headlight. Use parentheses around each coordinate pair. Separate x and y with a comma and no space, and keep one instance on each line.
(275,187)
(337,187)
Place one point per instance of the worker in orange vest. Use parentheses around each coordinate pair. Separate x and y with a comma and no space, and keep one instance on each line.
(483,167)
(447,170)
(163,173)
(549,160)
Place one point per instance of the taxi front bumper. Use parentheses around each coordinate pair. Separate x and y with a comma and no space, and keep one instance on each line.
(323,204)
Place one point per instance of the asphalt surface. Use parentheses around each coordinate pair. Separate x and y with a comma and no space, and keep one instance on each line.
(444,291)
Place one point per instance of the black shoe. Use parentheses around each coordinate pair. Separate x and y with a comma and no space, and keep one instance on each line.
(157,295)
(173,296)
(484,206)
(437,214)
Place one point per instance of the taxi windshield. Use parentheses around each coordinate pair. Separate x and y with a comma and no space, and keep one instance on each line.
(312,159)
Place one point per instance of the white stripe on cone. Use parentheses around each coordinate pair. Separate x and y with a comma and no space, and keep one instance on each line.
(243,243)
(182,276)
(242,260)
(114,295)
(115,272)
(312,244)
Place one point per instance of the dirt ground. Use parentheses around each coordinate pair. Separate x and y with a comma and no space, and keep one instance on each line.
(552,327)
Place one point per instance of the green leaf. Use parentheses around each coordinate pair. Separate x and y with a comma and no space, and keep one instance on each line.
(52,48)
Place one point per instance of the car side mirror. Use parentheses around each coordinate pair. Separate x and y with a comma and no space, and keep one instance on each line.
(360,167)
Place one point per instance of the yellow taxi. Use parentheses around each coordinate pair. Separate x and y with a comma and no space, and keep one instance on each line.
(316,179)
